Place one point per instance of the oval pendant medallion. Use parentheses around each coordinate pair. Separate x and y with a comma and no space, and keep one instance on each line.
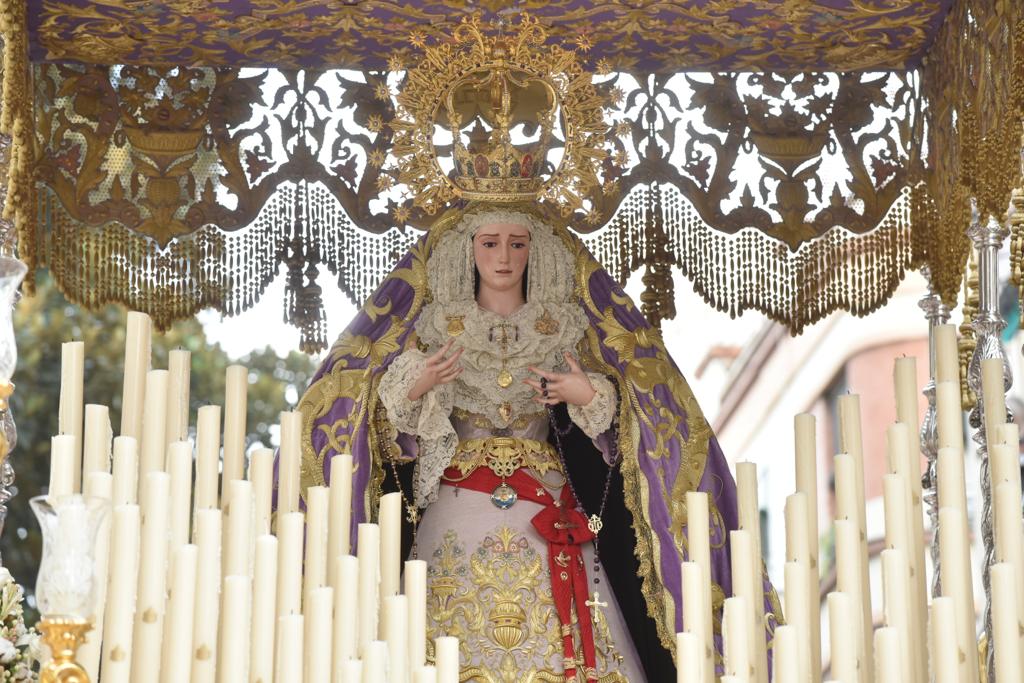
(504,379)
(504,496)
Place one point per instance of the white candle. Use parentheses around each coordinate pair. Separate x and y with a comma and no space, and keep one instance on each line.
(239,537)
(352,671)
(70,409)
(1006,622)
(735,627)
(234,645)
(179,364)
(688,657)
(951,486)
(954,550)
(96,442)
(317,499)
(1009,533)
(375,663)
(395,628)
(894,495)
(97,485)
(177,645)
(745,585)
(236,390)
(136,365)
(261,474)
(1004,464)
(849,477)
(426,674)
(945,656)
(179,467)
(319,634)
(291,455)
(290,527)
(993,394)
(798,611)
(785,654)
(695,617)
(126,470)
(264,609)
(207,456)
(888,656)
(795,512)
(947,355)
(841,612)
(209,525)
(368,548)
(1008,434)
(339,532)
(62,466)
(949,415)
(390,543)
(152,588)
(416,590)
(848,580)
(895,580)
(290,665)
(152,451)
(807,483)
(446,656)
(905,380)
(698,538)
(345,581)
(124,572)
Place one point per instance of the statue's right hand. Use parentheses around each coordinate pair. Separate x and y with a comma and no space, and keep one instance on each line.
(439,369)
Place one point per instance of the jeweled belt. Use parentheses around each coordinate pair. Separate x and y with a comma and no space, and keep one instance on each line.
(503,455)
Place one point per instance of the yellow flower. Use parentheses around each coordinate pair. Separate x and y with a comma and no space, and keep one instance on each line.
(621,158)
(375,123)
(623,129)
(603,67)
(395,63)
(377,158)
(382,91)
(583,43)
(616,95)
(384,182)
(401,214)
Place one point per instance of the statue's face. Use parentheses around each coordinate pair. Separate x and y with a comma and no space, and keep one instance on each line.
(501,251)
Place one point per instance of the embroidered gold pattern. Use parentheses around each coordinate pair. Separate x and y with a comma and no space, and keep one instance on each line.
(504,455)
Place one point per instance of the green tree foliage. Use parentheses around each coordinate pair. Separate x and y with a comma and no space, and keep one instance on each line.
(44,321)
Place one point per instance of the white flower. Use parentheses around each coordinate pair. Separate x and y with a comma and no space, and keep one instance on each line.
(7,651)
(5,576)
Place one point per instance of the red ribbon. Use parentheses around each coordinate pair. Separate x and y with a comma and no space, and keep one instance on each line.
(565,529)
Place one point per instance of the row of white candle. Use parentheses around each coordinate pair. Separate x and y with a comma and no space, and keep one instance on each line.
(200,589)
(899,650)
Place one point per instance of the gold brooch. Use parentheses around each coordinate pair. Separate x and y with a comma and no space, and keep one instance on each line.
(455,325)
(546,324)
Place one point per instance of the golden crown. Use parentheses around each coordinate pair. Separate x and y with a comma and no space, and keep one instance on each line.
(502,97)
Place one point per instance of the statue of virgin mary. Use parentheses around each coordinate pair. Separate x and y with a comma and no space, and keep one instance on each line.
(540,434)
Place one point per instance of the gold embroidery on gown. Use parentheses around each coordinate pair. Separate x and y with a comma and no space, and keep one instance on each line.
(497,601)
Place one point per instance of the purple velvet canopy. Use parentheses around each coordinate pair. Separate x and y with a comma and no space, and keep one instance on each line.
(666,444)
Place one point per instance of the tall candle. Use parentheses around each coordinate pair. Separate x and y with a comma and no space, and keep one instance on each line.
(416,590)
(345,580)
(261,474)
(1009,434)
(954,551)
(368,544)
(96,441)
(949,415)
(179,467)
(841,611)
(239,537)
(807,483)
(395,622)
(290,528)
(795,512)
(70,409)
(339,532)
(895,580)
(152,587)
(993,394)
(136,365)
(698,539)
(352,671)
(97,485)
(234,644)
(236,390)
(291,455)
(207,456)
(62,466)
(1004,464)
(849,477)
(945,659)
(947,355)
(735,627)
(390,543)
(798,610)
(177,645)
(785,655)
(695,611)
(126,470)
(317,499)
(446,656)
(319,634)
(905,380)
(426,674)
(951,487)
(888,656)
(289,660)
(688,658)
(209,525)
(375,662)
(745,585)
(1009,533)
(264,609)
(179,364)
(120,610)
(153,448)
(848,580)
(1006,622)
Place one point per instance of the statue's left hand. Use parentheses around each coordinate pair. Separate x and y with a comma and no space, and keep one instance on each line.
(573,387)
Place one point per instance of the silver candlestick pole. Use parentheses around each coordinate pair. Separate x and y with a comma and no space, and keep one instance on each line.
(988,324)
(937,313)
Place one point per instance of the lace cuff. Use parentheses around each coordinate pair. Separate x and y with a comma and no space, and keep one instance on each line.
(596,417)
(428,418)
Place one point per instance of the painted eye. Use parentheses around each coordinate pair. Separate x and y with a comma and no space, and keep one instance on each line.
(489,244)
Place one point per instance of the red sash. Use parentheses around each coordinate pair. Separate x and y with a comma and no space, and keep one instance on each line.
(565,529)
